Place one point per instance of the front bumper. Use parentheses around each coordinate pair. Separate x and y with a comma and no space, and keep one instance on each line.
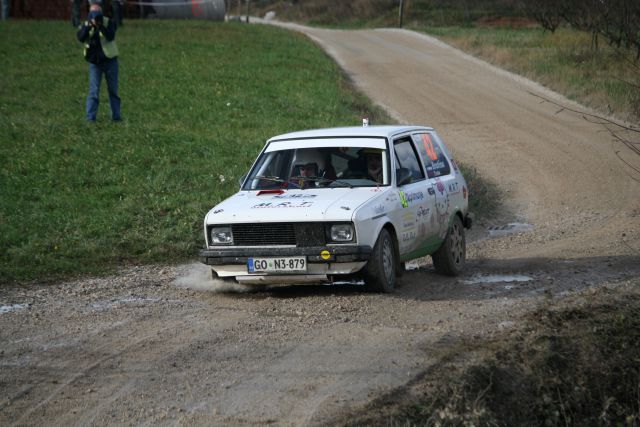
(322,262)
(318,254)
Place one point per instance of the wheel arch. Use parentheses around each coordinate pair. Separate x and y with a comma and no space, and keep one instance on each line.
(394,237)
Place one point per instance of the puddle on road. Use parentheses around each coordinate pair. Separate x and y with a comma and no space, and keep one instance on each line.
(14,307)
(497,278)
(511,228)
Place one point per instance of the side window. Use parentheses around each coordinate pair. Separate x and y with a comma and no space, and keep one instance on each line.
(435,161)
(406,158)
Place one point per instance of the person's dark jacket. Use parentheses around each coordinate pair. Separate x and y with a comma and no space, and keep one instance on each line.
(94,53)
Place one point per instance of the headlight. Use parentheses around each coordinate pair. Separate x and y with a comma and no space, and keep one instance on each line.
(221,236)
(342,233)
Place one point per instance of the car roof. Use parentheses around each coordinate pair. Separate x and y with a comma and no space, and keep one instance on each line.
(351,132)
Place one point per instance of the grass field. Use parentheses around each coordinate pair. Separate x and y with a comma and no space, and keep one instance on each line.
(198,101)
(564,61)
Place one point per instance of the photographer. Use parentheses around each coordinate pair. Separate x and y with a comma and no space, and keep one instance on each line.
(98,34)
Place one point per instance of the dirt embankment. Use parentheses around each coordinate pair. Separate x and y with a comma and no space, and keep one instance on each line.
(164,346)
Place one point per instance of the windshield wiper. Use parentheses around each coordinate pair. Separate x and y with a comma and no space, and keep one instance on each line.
(321,179)
(270,178)
(283,182)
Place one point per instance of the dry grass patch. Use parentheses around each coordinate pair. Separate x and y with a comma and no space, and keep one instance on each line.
(571,362)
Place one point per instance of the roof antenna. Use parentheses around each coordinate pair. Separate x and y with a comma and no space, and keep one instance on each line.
(365,122)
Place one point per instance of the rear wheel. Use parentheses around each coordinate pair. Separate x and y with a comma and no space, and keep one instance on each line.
(380,272)
(451,257)
(402,267)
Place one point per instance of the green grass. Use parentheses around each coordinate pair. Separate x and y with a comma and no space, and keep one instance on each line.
(198,101)
(564,61)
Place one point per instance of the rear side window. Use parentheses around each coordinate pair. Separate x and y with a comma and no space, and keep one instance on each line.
(435,162)
(407,158)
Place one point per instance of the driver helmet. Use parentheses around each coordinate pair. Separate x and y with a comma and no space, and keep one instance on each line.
(309,159)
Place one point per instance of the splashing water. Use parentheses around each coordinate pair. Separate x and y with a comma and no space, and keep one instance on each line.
(198,277)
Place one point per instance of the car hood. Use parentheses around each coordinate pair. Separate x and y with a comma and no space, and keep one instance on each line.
(326,204)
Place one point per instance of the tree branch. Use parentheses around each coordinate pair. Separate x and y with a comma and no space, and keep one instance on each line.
(615,129)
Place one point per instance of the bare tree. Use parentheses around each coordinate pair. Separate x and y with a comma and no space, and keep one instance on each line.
(548,13)
(616,20)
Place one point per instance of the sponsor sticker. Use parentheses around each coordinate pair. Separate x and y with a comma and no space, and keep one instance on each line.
(270,205)
(409,235)
(423,212)
(295,196)
(412,197)
(403,199)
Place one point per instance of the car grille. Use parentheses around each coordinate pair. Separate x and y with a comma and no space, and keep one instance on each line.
(299,234)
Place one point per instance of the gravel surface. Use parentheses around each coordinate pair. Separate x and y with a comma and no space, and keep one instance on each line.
(166,345)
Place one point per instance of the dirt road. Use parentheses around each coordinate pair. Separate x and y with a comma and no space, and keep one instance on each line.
(165,345)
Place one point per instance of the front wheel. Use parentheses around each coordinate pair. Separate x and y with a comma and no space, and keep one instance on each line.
(450,258)
(380,272)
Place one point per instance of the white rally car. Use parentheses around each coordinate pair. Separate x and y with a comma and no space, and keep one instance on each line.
(340,204)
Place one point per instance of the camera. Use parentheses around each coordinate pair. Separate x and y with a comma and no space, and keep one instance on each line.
(95,16)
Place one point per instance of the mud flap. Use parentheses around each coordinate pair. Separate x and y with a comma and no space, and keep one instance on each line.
(468,221)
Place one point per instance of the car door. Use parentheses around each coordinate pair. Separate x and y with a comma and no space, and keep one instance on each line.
(412,220)
(442,183)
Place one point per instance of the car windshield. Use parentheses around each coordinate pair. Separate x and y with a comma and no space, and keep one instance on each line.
(325,167)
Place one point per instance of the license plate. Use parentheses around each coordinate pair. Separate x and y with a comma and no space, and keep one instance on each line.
(277,265)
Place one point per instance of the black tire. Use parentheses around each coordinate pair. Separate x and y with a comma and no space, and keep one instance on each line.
(380,272)
(402,267)
(450,258)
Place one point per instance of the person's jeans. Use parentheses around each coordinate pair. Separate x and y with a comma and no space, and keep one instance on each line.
(110,71)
